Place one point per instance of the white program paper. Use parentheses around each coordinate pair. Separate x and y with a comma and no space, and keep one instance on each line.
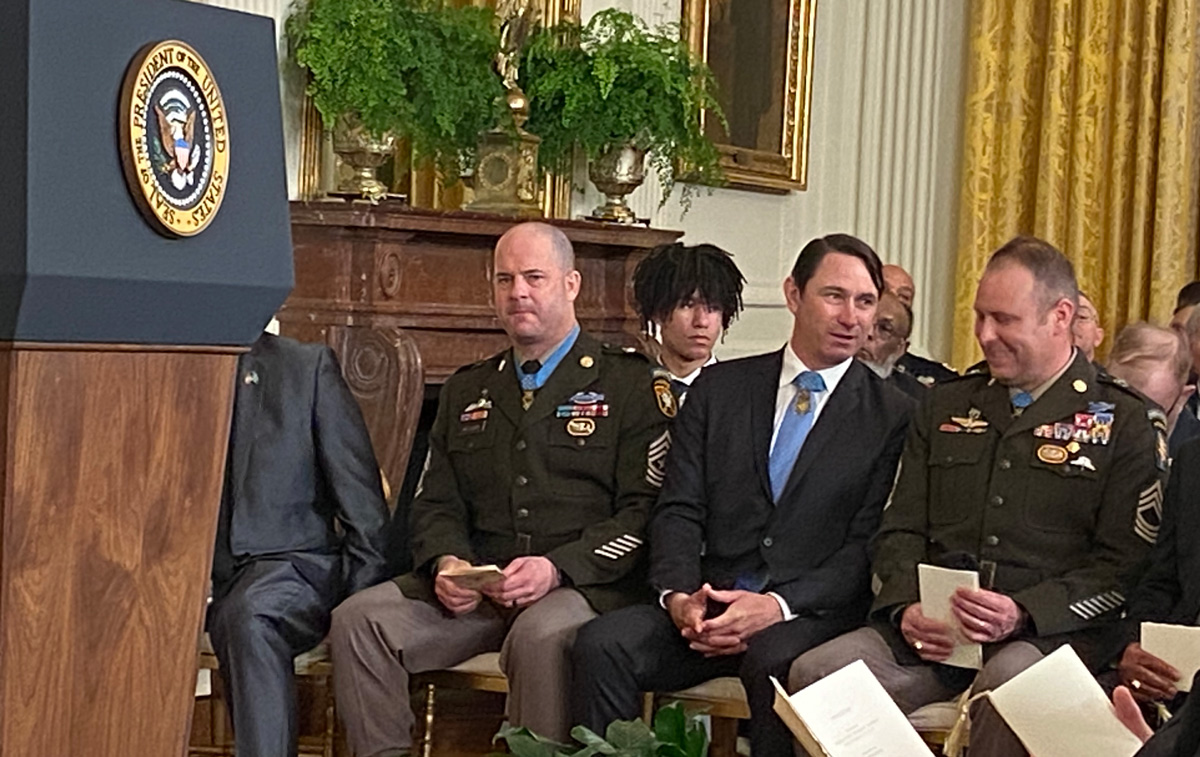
(1178,646)
(937,587)
(848,714)
(1057,708)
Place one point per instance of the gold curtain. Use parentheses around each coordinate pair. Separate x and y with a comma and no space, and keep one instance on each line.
(1083,127)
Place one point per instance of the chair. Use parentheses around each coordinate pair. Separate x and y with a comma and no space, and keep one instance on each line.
(723,698)
(313,664)
(384,372)
(480,673)
(935,721)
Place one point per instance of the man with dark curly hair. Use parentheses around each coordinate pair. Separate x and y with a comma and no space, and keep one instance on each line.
(686,296)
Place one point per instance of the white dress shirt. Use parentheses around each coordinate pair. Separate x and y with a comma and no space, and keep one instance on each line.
(688,379)
(793,366)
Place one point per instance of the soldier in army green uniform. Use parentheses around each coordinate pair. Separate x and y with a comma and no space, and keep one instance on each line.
(544,460)
(1037,471)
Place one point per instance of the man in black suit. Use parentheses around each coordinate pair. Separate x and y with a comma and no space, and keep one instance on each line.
(1169,592)
(758,540)
(300,461)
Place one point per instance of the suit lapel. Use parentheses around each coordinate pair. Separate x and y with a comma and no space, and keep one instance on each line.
(250,377)
(569,377)
(834,417)
(762,410)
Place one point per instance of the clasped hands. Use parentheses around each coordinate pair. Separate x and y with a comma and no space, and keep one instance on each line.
(984,616)
(746,614)
(526,580)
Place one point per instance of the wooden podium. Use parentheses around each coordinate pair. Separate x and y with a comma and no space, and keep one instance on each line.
(118,348)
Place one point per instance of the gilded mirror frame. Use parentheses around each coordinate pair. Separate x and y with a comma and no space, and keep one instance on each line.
(423,188)
(786,168)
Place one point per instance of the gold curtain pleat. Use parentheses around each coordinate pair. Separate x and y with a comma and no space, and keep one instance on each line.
(1081,127)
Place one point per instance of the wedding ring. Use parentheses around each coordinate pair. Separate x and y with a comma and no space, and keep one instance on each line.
(918,646)
(1135,683)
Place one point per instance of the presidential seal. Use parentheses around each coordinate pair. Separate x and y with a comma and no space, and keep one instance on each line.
(174,138)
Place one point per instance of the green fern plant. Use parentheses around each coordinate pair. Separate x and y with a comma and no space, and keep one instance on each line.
(419,68)
(614,82)
(676,733)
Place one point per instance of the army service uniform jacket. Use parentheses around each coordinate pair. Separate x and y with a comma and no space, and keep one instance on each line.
(1060,504)
(571,478)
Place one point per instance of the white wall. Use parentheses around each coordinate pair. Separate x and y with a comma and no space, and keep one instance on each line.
(884,155)
(291,81)
(884,149)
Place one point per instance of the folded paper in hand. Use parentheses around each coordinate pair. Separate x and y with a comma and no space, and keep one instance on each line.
(473,576)
(848,714)
(937,587)
(1057,709)
(1178,646)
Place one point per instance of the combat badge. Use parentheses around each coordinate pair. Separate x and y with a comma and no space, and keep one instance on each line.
(666,400)
(971,423)
(473,418)
(583,405)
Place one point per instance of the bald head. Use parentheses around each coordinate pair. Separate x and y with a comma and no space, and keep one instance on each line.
(897,281)
(542,235)
(534,286)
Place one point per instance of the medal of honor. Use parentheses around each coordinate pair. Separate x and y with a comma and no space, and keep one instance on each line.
(803,401)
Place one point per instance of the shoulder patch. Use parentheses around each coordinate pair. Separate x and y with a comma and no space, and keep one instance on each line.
(665,397)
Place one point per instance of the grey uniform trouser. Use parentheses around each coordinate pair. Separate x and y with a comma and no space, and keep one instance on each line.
(914,686)
(380,637)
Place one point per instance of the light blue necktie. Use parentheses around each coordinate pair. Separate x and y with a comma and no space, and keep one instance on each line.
(797,422)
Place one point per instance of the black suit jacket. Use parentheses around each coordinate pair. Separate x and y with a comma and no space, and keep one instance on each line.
(715,520)
(1169,591)
(300,459)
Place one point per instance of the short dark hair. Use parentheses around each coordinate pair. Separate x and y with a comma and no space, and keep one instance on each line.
(673,273)
(815,251)
(1051,270)
(1189,296)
